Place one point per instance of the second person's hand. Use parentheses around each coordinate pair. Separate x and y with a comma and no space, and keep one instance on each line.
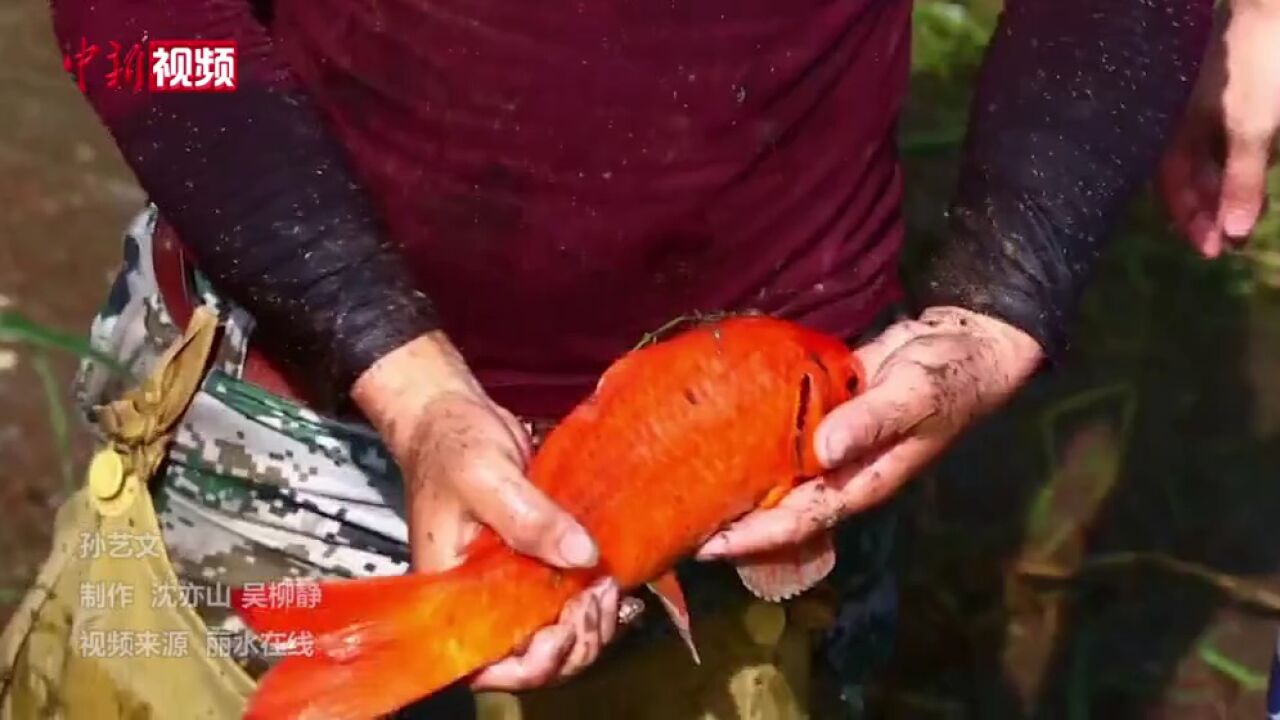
(1213,177)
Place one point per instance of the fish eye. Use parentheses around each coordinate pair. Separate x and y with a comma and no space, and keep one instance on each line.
(853,385)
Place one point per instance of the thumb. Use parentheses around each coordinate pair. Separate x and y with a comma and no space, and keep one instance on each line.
(499,495)
(882,415)
(1244,182)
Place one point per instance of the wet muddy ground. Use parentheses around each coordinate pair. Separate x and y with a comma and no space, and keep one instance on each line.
(1105,548)
(64,194)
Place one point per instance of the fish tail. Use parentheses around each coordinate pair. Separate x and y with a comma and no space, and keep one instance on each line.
(372,646)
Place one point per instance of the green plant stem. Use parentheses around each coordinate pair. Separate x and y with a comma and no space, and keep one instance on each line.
(17,328)
(57,417)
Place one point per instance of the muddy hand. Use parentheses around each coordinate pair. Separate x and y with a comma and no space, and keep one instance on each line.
(929,379)
(466,466)
(1213,177)
(556,653)
(463,459)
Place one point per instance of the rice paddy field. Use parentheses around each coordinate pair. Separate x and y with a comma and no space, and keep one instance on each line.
(1104,548)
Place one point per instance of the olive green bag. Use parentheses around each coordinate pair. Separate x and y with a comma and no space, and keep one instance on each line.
(98,635)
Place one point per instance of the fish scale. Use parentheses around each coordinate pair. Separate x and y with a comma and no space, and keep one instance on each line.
(649,473)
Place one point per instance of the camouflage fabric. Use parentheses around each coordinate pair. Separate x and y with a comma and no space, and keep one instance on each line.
(257,488)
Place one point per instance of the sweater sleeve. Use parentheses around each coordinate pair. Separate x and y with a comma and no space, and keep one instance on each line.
(259,191)
(1074,104)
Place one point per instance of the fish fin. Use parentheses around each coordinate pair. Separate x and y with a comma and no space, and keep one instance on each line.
(319,686)
(781,574)
(376,645)
(356,667)
(667,588)
(317,607)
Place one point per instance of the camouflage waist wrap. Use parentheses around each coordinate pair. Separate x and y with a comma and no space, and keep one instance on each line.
(256,488)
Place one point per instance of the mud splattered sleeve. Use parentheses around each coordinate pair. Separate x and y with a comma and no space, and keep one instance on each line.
(1074,104)
(259,191)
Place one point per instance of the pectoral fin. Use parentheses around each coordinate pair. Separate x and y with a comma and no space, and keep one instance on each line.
(782,574)
(667,588)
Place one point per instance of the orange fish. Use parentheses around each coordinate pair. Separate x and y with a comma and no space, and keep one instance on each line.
(678,439)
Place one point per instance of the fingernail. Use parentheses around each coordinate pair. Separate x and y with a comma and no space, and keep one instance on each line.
(577,549)
(830,447)
(1238,223)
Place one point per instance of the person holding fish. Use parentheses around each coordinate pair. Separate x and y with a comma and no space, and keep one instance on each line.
(426,229)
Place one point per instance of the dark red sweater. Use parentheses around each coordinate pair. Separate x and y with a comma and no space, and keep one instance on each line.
(566,176)
(561,177)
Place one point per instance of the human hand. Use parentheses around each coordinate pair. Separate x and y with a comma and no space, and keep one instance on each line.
(928,380)
(1213,177)
(463,459)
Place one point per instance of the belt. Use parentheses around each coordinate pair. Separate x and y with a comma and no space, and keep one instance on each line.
(172,270)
